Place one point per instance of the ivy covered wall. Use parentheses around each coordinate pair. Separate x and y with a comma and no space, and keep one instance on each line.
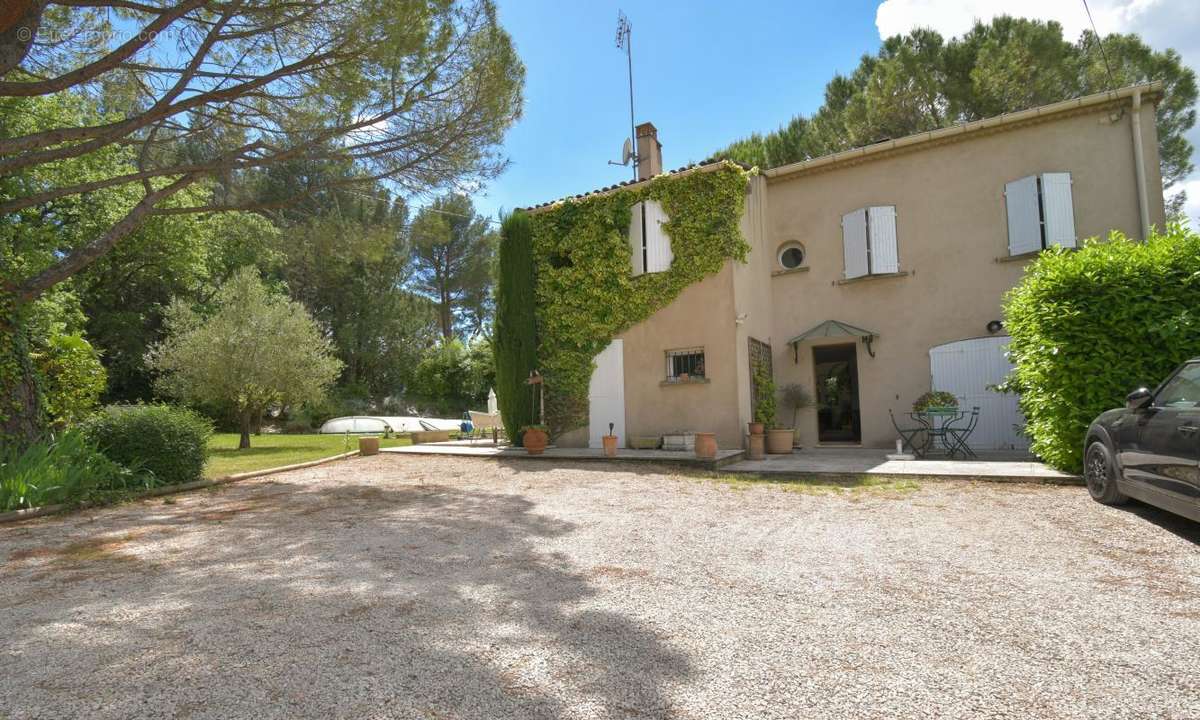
(585,293)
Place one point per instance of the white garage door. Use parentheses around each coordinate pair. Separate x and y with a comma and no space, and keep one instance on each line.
(606,396)
(969,368)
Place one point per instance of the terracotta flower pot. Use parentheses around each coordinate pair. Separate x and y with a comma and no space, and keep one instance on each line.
(706,445)
(610,445)
(755,449)
(756,428)
(535,441)
(779,441)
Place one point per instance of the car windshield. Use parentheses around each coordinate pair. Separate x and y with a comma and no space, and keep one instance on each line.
(1183,390)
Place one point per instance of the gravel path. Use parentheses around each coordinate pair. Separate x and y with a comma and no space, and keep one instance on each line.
(398,587)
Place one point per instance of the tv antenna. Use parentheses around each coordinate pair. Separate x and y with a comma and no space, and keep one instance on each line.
(628,152)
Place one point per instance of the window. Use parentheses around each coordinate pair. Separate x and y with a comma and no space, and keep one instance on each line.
(685,365)
(1181,391)
(1041,213)
(791,256)
(869,241)
(649,245)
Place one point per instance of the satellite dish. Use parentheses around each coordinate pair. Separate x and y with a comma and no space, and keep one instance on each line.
(626,154)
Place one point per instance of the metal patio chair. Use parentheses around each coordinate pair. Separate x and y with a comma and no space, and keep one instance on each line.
(908,436)
(957,435)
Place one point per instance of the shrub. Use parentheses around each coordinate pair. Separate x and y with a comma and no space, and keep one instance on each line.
(795,397)
(515,342)
(936,398)
(170,442)
(72,378)
(1089,326)
(69,469)
(765,407)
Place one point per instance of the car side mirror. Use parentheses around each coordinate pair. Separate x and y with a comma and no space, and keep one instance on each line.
(1139,399)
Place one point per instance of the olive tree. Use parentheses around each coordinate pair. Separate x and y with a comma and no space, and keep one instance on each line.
(255,350)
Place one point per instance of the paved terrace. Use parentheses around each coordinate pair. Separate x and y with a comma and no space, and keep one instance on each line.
(1016,466)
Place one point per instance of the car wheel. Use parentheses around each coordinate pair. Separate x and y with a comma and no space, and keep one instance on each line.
(1100,473)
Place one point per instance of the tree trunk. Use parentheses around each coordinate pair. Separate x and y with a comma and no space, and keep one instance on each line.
(258,418)
(21,418)
(245,418)
(21,423)
(444,317)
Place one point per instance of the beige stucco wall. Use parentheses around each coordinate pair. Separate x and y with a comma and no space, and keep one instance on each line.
(952,231)
(752,292)
(702,316)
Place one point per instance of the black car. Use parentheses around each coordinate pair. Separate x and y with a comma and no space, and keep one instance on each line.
(1150,449)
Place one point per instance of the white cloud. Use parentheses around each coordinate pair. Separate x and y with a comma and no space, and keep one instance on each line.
(1191,206)
(1154,19)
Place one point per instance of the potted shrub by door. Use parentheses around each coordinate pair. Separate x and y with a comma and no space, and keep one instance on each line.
(610,442)
(795,397)
(535,438)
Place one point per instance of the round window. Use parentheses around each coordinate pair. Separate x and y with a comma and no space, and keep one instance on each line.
(791,256)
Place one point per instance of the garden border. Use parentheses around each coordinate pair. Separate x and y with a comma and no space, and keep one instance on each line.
(44,510)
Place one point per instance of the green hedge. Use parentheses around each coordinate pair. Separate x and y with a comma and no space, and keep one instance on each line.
(170,442)
(516,330)
(1089,326)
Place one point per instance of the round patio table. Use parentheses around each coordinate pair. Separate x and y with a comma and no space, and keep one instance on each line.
(937,421)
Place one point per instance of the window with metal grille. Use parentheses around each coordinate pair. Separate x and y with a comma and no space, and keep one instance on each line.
(687,364)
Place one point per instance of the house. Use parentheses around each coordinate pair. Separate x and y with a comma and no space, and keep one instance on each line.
(876,274)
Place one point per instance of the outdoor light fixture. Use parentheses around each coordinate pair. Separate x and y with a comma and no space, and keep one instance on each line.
(995,326)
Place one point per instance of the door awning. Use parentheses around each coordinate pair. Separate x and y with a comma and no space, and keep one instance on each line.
(833,328)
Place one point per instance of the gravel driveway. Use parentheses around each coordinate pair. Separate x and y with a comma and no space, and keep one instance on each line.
(407,587)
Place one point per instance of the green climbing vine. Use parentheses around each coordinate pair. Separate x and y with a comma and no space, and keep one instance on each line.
(585,293)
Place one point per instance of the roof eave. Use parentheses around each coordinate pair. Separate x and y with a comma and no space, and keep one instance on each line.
(1151,91)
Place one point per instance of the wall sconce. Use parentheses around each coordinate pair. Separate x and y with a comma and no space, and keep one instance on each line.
(995,326)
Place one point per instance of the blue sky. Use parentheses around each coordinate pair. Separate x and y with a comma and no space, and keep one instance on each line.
(695,76)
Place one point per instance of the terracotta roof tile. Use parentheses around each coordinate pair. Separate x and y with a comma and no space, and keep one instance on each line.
(626,183)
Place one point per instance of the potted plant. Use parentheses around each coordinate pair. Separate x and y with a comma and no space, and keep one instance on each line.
(610,442)
(935,399)
(764,406)
(795,397)
(535,438)
(779,440)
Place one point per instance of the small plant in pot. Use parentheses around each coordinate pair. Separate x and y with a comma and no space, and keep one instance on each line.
(610,442)
(795,397)
(934,400)
(535,438)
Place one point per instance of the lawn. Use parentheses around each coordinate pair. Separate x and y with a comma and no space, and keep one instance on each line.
(274,450)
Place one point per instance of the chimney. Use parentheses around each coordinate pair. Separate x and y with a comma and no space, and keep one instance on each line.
(649,152)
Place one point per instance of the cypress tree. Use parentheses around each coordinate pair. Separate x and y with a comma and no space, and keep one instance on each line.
(516,328)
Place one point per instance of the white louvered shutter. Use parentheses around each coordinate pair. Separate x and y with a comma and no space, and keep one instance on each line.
(854,242)
(635,239)
(1059,209)
(658,243)
(881,224)
(1024,225)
